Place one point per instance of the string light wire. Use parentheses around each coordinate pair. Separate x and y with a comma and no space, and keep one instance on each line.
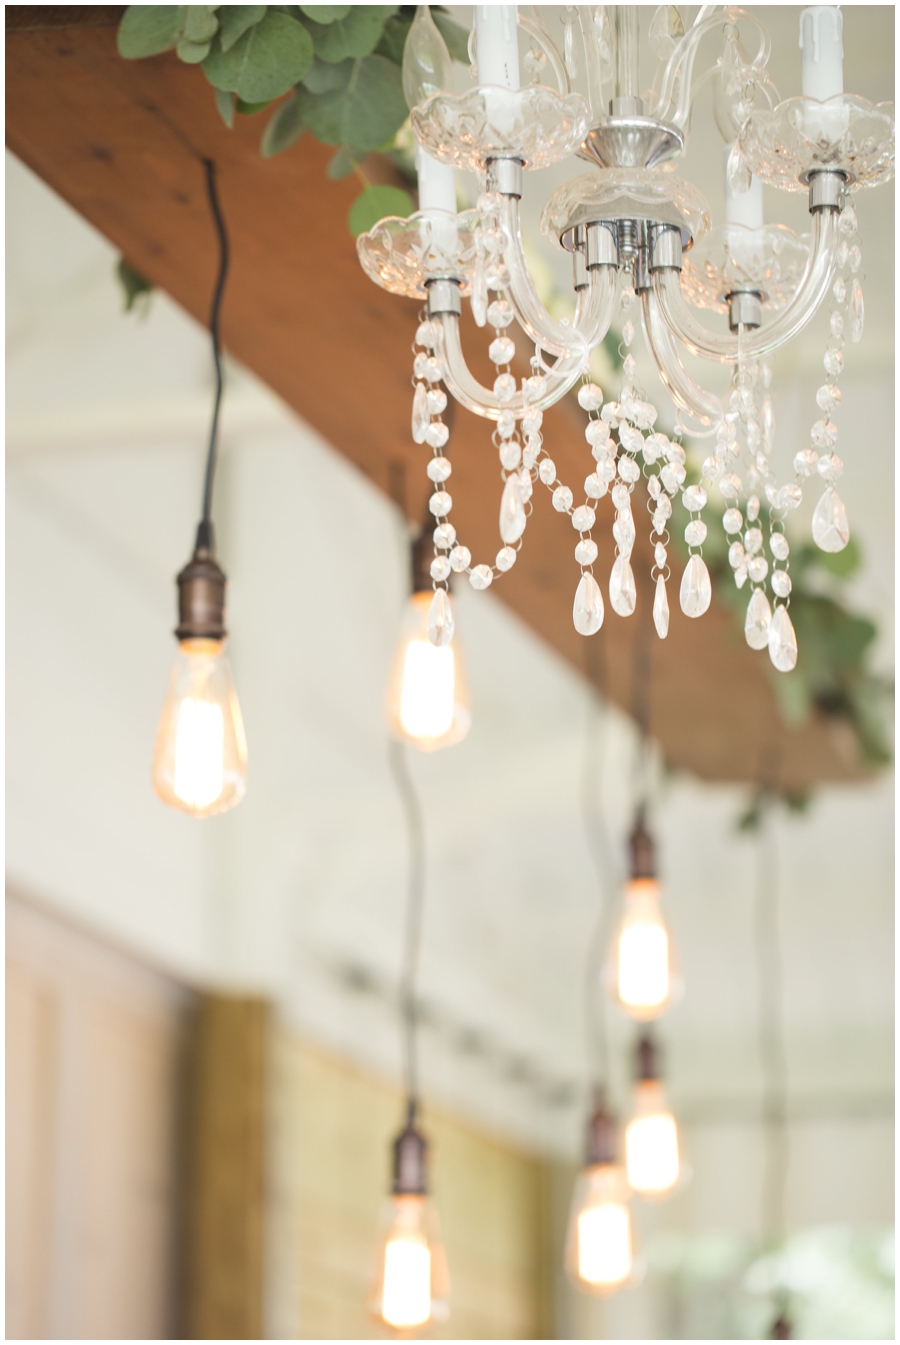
(415,903)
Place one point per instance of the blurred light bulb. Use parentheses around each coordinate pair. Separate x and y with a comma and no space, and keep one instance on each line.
(652,1159)
(427,66)
(200,761)
(600,1242)
(428,696)
(641,971)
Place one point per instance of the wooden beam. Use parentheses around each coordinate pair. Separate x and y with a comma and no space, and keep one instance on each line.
(122,142)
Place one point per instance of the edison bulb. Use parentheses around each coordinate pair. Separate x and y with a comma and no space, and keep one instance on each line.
(652,1158)
(200,761)
(643,975)
(600,1256)
(428,695)
(410,1286)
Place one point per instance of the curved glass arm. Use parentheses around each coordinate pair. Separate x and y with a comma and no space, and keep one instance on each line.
(795,315)
(531,314)
(537,29)
(673,103)
(703,408)
(594,314)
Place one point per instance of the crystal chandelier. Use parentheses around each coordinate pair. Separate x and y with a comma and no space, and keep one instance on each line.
(641,242)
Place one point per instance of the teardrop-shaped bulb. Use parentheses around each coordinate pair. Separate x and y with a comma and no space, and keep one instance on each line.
(587,612)
(512,512)
(440,619)
(782,640)
(420,414)
(426,60)
(758,620)
(696,587)
(622,591)
(830,529)
(661,608)
(857,312)
(427,694)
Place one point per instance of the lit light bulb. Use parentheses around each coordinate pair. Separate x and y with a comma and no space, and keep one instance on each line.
(652,1158)
(428,695)
(642,973)
(410,1286)
(200,762)
(600,1254)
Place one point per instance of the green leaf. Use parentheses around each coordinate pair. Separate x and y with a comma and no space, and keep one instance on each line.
(325,13)
(341,165)
(374,204)
(201,24)
(251,109)
(146,30)
(263,64)
(365,114)
(235,20)
(356,35)
(132,282)
(393,38)
(192,53)
(322,77)
(284,127)
(841,563)
(225,103)
(457,38)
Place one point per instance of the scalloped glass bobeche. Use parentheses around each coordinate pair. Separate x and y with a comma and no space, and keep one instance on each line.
(770,260)
(801,136)
(536,125)
(400,255)
(634,193)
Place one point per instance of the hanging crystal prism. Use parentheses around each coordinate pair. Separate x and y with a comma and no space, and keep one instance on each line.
(782,641)
(759,620)
(587,612)
(440,619)
(661,609)
(830,529)
(696,587)
(622,591)
(420,414)
(512,511)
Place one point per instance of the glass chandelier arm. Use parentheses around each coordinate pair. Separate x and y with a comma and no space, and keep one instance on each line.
(795,315)
(673,103)
(703,407)
(598,103)
(531,314)
(537,29)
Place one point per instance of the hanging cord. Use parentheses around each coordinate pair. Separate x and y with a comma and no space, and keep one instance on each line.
(773,1058)
(641,683)
(415,901)
(205,529)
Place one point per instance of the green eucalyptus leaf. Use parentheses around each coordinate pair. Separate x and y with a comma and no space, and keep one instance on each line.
(284,127)
(146,30)
(322,77)
(356,35)
(132,282)
(841,563)
(268,60)
(363,115)
(325,13)
(374,204)
(192,53)
(251,109)
(225,103)
(340,165)
(457,38)
(201,24)
(235,20)
(393,38)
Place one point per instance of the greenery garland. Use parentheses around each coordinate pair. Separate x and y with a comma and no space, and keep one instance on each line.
(332,70)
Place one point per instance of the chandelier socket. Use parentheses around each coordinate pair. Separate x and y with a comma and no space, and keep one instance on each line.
(505,176)
(665,247)
(601,247)
(826,189)
(744,309)
(580,277)
(201,598)
(443,297)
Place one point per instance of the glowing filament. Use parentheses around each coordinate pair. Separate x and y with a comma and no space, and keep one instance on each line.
(604,1245)
(651,1153)
(426,695)
(199,774)
(406,1295)
(643,966)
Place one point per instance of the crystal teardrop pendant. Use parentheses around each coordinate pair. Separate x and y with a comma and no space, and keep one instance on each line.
(624,532)
(830,529)
(782,641)
(512,511)
(661,609)
(440,619)
(587,612)
(739,175)
(696,588)
(857,312)
(420,414)
(759,620)
(622,591)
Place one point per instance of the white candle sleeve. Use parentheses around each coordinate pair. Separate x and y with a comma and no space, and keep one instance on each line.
(744,207)
(497,45)
(437,183)
(822,52)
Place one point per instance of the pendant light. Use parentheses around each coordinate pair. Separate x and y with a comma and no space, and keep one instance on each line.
(642,973)
(600,1244)
(652,1151)
(428,692)
(410,1284)
(200,759)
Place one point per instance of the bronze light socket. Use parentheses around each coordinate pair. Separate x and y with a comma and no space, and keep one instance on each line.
(601,1137)
(410,1154)
(421,556)
(643,856)
(647,1064)
(201,598)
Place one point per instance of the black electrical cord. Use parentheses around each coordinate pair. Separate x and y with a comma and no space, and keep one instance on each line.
(205,538)
(415,901)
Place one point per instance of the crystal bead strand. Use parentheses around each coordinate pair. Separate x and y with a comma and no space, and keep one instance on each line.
(588,611)
(622,588)
(429,403)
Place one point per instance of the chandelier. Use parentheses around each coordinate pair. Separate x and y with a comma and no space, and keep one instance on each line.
(643,246)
